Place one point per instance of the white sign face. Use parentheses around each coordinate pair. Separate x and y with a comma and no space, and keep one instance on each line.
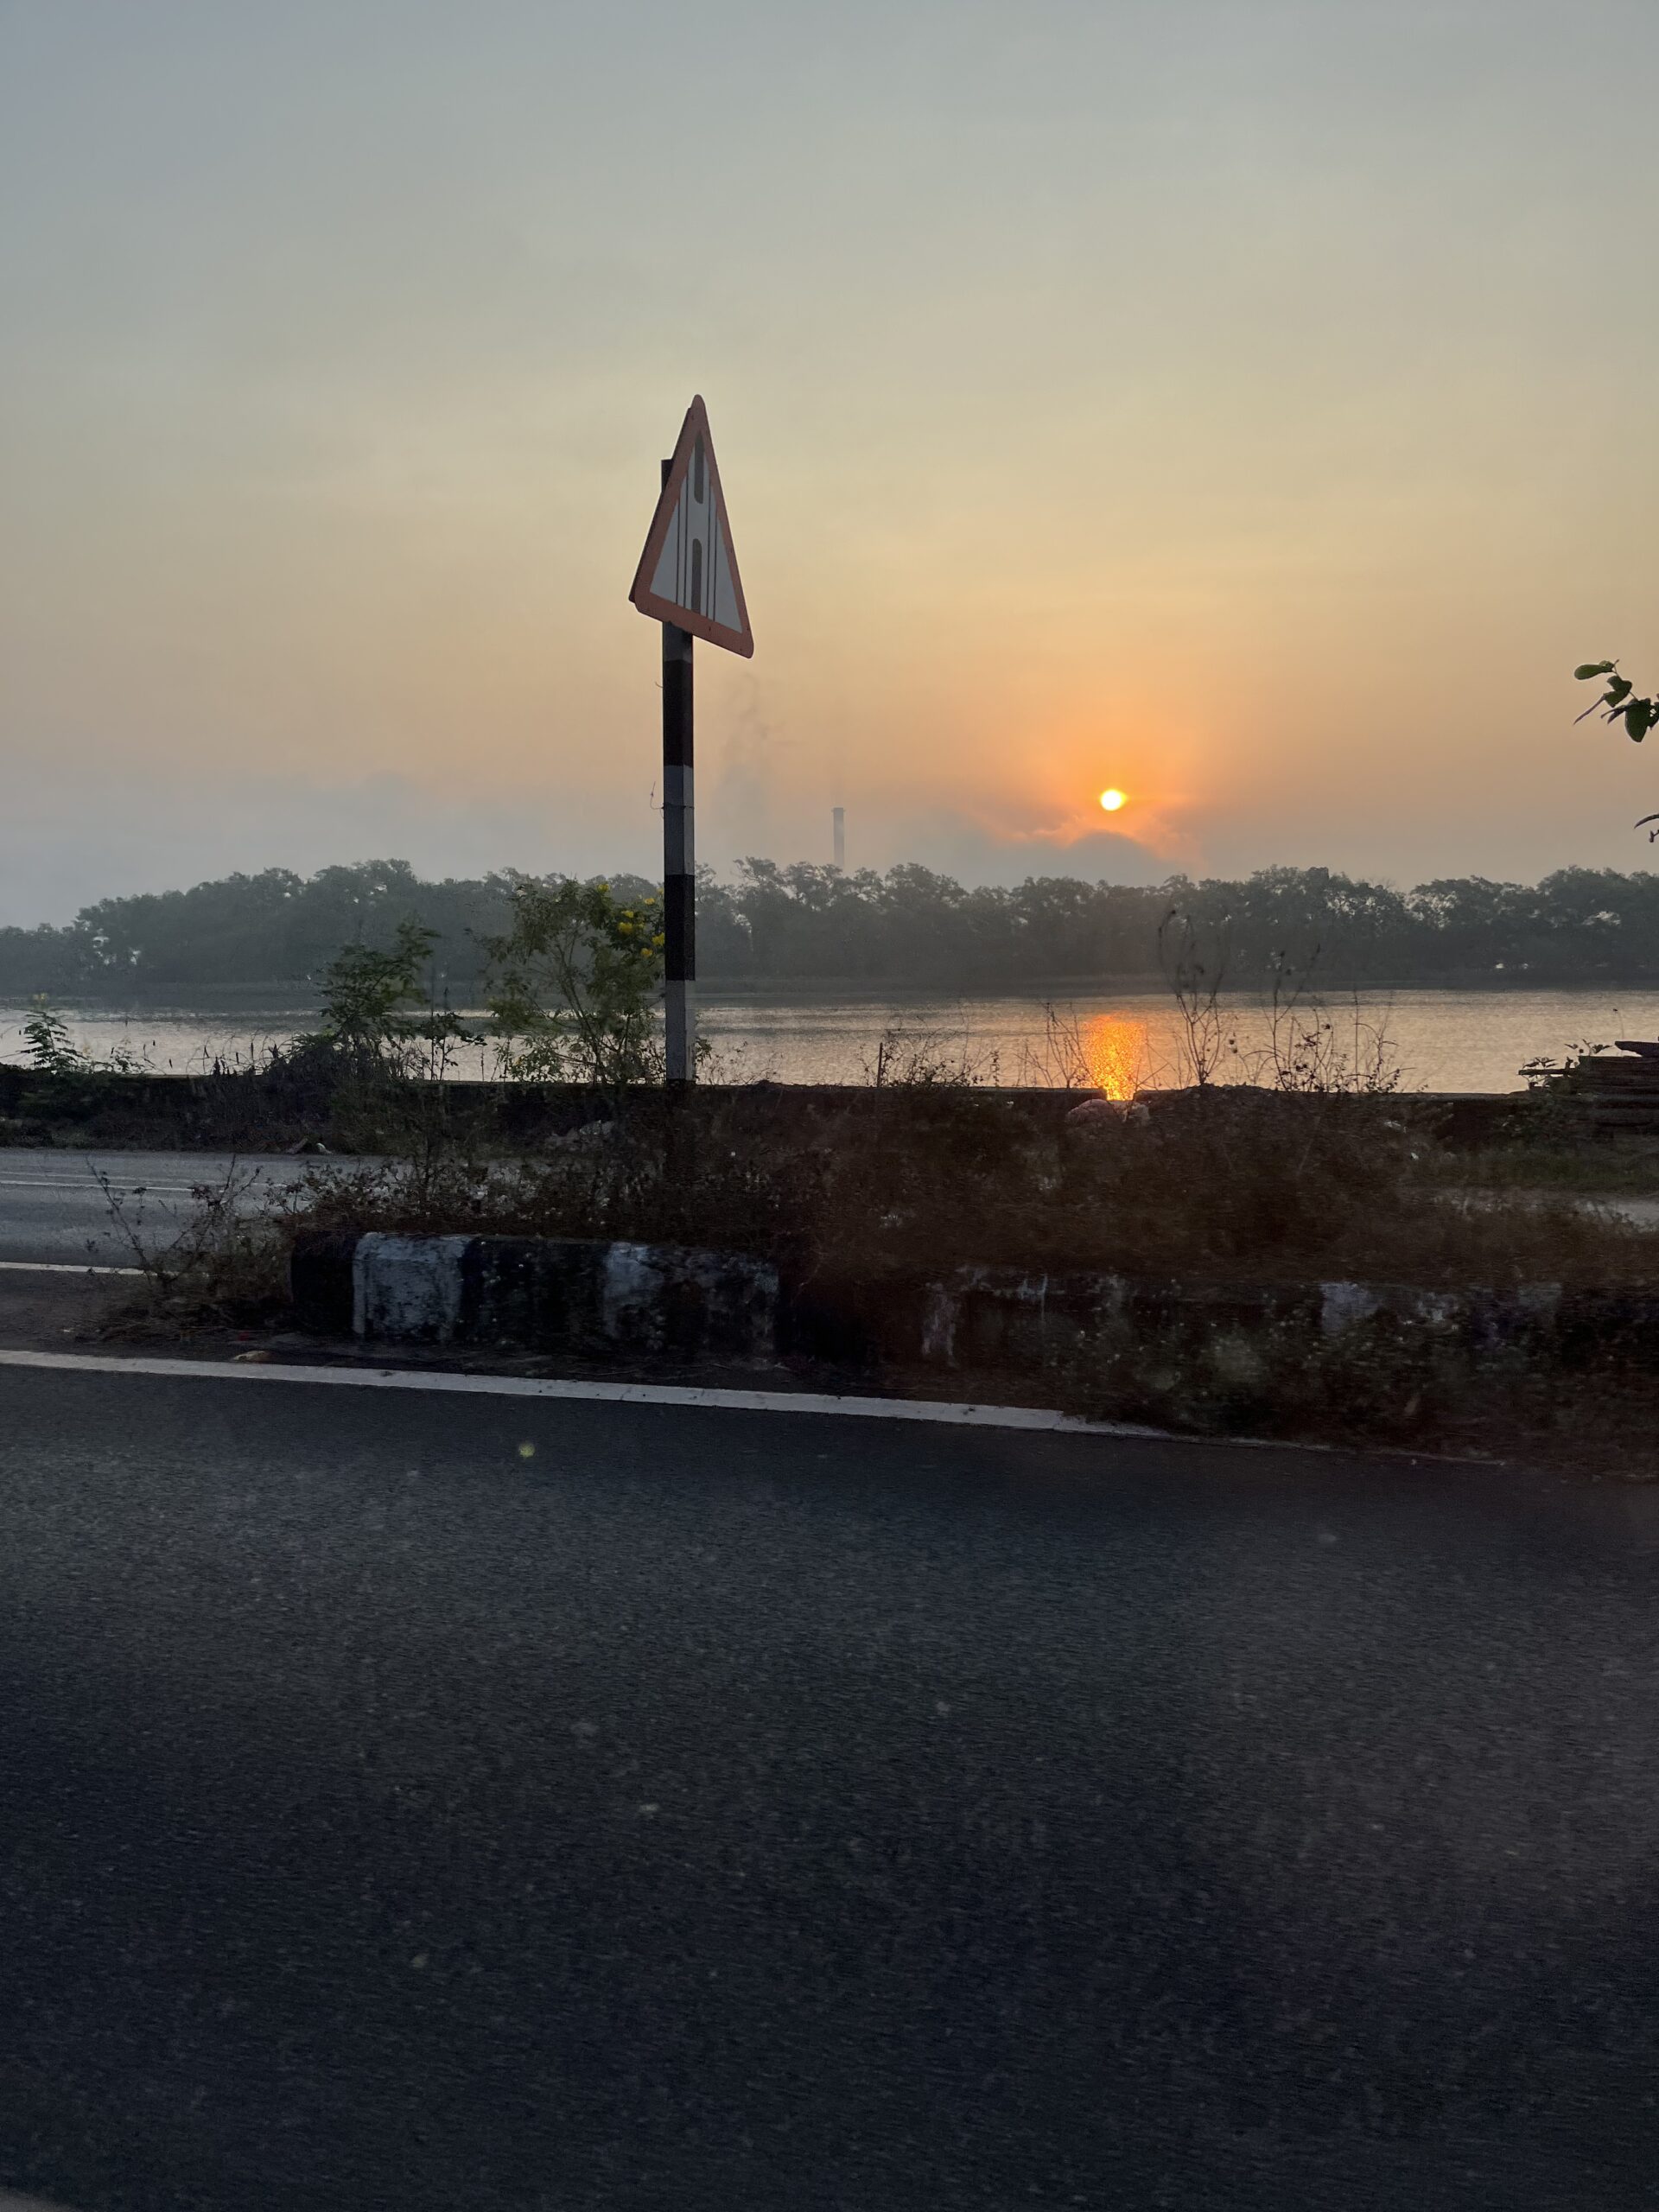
(688,572)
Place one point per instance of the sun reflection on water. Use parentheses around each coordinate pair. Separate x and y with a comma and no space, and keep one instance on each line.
(1115,1048)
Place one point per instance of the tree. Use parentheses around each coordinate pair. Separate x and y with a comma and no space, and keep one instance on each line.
(367,994)
(574,983)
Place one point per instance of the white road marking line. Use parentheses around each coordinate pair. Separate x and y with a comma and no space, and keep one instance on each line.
(58,1268)
(93,1189)
(626,1394)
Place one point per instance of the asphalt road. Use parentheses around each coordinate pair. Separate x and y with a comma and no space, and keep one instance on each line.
(435,1802)
(53,1209)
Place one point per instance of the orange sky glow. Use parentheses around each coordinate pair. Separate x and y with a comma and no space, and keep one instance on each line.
(1214,403)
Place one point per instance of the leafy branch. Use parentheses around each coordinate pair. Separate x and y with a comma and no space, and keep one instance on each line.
(1619,703)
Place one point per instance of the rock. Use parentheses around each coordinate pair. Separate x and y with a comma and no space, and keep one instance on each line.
(587,1138)
(1095,1116)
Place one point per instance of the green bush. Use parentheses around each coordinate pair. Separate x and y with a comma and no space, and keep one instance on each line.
(572,985)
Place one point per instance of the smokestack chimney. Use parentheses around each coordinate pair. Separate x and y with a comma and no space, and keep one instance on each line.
(838,815)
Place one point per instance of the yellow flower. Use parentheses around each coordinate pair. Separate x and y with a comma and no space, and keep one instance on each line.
(626,928)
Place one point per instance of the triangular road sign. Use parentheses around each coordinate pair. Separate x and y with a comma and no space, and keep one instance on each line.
(688,572)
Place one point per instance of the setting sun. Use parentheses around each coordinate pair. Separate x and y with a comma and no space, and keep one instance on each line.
(1112,800)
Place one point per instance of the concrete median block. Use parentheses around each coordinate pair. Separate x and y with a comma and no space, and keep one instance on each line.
(1236,1341)
(407,1289)
(558,1293)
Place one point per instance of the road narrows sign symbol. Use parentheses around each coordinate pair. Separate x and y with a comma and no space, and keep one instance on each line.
(688,572)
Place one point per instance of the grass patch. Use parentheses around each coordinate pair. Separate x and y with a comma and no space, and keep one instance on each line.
(1613,1167)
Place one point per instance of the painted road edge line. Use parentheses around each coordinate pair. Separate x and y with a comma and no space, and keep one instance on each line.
(626,1394)
(88,1187)
(59,1267)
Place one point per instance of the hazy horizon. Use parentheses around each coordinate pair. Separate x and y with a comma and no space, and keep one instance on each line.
(1247,407)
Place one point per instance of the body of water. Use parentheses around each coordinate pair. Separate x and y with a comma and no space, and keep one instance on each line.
(1440,1040)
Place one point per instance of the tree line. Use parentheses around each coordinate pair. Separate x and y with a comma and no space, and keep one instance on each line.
(802,924)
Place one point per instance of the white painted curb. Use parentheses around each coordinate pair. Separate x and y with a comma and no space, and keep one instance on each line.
(58,1267)
(1029,1418)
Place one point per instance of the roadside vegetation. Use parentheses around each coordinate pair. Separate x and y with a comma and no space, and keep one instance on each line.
(1319,1170)
(1232,1184)
(1222,1196)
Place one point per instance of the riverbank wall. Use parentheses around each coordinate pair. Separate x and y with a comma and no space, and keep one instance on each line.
(260,1112)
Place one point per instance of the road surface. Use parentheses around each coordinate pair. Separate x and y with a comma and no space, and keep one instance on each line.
(433,1802)
(53,1209)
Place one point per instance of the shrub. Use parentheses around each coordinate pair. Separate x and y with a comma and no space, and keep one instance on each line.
(572,985)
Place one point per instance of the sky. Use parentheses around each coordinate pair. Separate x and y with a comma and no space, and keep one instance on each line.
(1248,406)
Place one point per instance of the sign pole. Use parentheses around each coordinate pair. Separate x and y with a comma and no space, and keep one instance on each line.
(687,580)
(679,855)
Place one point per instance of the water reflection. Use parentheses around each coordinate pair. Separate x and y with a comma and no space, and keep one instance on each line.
(1115,1052)
(1446,1039)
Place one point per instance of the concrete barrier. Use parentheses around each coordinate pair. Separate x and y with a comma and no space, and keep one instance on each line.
(540,1293)
(1238,1339)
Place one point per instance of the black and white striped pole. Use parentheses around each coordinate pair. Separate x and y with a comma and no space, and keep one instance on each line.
(687,580)
(679,859)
